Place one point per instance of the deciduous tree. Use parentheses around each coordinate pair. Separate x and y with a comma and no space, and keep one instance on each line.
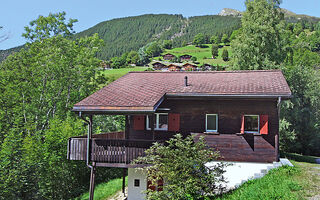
(181,163)
(259,44)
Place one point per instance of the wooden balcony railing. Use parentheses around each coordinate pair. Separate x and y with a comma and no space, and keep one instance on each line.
(117,151)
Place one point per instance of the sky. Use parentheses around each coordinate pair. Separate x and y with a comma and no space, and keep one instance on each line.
(16,14)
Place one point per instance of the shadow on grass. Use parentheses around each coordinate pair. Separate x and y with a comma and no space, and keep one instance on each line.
(299,158)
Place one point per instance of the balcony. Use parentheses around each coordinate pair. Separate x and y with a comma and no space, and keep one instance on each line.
(109,150)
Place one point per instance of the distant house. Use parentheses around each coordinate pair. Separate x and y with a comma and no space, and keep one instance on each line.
(174,68)
(185,57)
(207,67)
(189,67)
(159,66)
(168,56)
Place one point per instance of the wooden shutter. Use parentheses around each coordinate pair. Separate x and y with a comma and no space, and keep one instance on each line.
(173,122)
(263,124)
(242,124)
(138,122)
(160,185)
(150,186)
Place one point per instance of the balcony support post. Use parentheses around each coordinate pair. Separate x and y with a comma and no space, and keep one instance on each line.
(124,181)
(92,180)
(152,125)
(127,125)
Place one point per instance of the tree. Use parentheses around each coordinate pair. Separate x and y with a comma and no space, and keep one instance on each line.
(225,39)
(46,27)
(194,59)
(297,29)
(234,34)
(153,49)
(214,39)
(133,57)
(199,40)
(167,44)
(259,44)
(181,163)
(39,85)
(215,50)
(225,55)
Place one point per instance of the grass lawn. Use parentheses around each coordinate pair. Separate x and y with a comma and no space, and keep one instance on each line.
(286,183)
(114,74)
(299,182)
(105,190)
(203,54)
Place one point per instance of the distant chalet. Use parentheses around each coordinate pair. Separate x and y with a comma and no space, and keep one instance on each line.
(185,57)
(159,66)
(168,56)
(190,67)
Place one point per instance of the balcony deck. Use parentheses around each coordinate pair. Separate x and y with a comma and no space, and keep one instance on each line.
(109,150)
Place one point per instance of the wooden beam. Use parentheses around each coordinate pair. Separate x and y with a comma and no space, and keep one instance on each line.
(127,127)
(124,181)
(152,121)
(92,179)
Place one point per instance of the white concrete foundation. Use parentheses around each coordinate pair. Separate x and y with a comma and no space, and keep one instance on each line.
(136,192)
(238,173)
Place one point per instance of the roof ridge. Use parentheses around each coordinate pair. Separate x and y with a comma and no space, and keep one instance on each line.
(233,71)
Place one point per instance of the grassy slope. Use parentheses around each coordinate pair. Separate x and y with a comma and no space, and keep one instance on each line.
(287,183)
(114,74)
(203,54)
(299,182)
(105,190)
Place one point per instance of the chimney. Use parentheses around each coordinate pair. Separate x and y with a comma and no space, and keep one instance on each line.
(186,81)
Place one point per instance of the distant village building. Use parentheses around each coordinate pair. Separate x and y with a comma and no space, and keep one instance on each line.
(159,66)
(190,67)
(168,56)
(207,67)
(174,68)
(185,57)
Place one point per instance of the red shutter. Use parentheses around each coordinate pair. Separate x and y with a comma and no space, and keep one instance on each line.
(150,186)
(242,124)
(174,122)
(138,122)
(263,124)
(160,185)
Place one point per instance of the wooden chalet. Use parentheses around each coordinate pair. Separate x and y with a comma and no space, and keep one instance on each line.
(159,66)
(168,56)
(185,57)
(174,68)
(189,67)
(236,111)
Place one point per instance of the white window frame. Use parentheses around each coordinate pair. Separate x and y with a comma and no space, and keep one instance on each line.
(258,123)
(216,122)
(157,122)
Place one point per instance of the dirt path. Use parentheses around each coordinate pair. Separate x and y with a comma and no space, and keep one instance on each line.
(119,195)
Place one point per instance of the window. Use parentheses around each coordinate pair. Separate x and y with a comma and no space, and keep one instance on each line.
(136,183)
(161,122)
(251,123)
(211,122)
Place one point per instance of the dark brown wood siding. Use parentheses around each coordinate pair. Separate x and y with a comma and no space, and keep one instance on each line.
(243,148)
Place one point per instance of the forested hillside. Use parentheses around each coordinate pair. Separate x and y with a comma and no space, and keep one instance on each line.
(131,33)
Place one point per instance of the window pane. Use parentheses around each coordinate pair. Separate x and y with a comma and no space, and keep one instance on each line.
(251,123)
(211,122)
(163,121)
(149,122)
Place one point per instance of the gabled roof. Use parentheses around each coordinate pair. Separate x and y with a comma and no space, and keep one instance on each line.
(144,91)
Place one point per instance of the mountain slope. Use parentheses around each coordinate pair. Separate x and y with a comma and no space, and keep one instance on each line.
(131,33)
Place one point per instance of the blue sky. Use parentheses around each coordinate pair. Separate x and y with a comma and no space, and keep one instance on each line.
(15,14)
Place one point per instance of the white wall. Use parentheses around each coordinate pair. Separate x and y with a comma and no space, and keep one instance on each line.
(136,193)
